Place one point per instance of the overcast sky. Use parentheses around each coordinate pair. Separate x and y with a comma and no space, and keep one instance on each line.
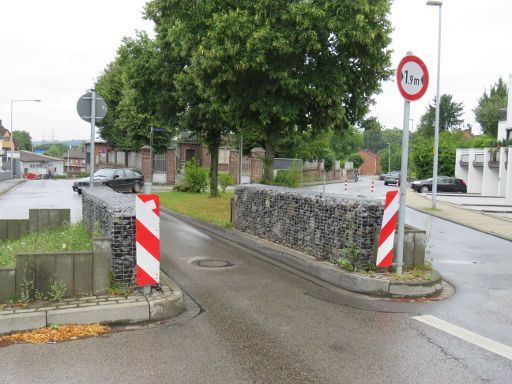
(54,49)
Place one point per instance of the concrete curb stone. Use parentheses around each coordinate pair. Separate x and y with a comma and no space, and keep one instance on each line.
(323,270)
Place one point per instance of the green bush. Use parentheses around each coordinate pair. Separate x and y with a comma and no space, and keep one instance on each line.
(225,179)
(195,177)
(356,159)
(288,178)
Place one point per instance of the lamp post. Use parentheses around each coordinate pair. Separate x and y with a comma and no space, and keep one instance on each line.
(12,129)
(436,3)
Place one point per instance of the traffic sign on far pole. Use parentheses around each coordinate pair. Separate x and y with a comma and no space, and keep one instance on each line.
(412,79)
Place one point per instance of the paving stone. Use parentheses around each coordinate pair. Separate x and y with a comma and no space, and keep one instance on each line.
(46,308)
(67,306)
(88,305)
(24,310)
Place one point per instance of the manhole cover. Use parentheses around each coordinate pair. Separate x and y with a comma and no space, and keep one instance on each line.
(213,263)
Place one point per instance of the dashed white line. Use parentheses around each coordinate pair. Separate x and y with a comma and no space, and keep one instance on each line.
(471,337)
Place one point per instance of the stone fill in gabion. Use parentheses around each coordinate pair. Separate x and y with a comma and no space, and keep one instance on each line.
(328,227)
(113,214)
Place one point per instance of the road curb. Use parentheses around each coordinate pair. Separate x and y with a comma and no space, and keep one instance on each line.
(164,304)
(21,181)
(323,270)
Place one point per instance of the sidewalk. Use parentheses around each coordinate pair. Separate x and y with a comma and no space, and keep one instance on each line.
(483,222)
(7,185)
(105,309)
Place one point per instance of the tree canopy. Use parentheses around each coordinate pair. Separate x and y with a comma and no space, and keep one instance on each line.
(22,140)
(450,116)
(489,104)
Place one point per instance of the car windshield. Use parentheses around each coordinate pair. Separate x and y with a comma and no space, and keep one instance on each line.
(105,173)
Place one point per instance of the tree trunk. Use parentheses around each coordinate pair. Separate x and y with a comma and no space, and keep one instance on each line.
(270,152)
(213,148)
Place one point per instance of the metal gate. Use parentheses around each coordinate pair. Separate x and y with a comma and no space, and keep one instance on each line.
(159,168)
(246,170)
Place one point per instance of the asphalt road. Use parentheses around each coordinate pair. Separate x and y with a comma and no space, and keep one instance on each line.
(258,322)
(40,194)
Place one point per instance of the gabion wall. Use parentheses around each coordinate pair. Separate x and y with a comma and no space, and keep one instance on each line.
(328,227)
(113,214)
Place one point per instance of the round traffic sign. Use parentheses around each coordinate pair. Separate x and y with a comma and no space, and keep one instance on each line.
(412,77)
(83,107)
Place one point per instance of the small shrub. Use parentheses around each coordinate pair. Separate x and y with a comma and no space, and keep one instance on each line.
(225,179)
(195,177)
(288,178)
(57,291)
(27,291)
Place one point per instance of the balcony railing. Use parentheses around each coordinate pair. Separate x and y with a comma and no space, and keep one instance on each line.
(479,160)
(464,159)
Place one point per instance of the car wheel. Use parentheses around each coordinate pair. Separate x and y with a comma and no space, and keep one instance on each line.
(136,188)
(385,183)
(424,189)
(79,191)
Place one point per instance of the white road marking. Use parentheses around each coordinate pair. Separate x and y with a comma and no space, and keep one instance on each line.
(471,337)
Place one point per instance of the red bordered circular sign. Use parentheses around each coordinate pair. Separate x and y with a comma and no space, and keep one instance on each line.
(412,77)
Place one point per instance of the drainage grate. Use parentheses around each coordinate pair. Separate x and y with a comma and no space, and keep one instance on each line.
(213,263)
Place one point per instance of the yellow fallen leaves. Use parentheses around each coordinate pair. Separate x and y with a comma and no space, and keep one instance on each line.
(56,333)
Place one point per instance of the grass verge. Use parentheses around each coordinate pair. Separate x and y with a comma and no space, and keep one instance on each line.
(74,237)
(216,210)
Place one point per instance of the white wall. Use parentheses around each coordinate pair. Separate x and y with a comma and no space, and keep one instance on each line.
(490,177)
(502,175)
(475,174)
(461,172)
(508,188)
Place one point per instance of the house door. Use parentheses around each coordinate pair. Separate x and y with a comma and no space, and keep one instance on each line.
(190,154)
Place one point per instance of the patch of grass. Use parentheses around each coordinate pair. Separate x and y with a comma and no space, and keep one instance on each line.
(74,237)
(216,210)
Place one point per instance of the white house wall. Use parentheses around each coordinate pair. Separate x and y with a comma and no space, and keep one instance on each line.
(490,177)
(475,174)
(461,171)
(508,188)
(502,175)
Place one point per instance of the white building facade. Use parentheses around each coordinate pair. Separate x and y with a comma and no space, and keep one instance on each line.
(488,171)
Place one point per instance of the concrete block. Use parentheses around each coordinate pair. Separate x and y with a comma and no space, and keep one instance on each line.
(45,271)
(82,272)
(128,312)
(64,271)
(33,220)
(25,269)
(65,215)
(419,249)
(7,283)
(364,284)
(12,230)
(54,219)
(22,228)
(22,322)
(3,229)
(101,264)
(44,220)
(166,307)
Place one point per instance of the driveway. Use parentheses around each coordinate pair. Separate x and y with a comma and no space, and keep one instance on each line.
(40,194)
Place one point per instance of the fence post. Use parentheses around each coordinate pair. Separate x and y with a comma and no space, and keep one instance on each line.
(257,164)
(146,163)
(170,178)
(234,163)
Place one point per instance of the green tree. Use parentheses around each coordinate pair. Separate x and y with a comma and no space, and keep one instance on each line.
(280,66)
(56,150)
(396,158)
(22,140)
(423,154)
(450,116)
(489,104)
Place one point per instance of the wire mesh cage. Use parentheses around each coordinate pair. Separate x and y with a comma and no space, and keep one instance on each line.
(113,215)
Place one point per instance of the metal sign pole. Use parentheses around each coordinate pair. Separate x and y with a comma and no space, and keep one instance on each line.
(93,135)
(403,188)
(240,158)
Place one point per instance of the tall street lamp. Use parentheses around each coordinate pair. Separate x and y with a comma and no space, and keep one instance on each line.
(12,129)
(436,3)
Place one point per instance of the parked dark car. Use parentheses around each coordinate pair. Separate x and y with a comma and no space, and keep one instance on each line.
(392,178)
(119,179)
(444,184)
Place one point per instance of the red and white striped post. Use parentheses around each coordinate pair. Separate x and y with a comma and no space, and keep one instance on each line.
(372,187)
(147,237)
(387,232)
(346,186)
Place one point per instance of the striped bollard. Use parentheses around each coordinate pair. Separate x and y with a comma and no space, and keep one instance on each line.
(387,232)
(372,188)
(147,237)
(346,186)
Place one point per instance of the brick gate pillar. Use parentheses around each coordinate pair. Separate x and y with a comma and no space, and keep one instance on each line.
(257,155)
(233,165)
(146,162)
(170,178)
